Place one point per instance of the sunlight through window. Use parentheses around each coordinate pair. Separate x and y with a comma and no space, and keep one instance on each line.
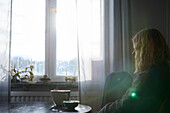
(28,35)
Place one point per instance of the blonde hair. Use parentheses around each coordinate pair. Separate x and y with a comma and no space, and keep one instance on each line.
(150,49)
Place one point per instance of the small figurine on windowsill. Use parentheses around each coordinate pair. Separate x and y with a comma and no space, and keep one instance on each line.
(70,79)
(45,79)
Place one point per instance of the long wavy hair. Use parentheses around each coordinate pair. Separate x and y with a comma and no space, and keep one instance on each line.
(150,49)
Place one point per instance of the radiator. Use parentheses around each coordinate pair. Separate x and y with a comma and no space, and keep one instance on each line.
(37,96)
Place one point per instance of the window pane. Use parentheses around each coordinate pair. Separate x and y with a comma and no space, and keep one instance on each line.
(28,35)
(66,33)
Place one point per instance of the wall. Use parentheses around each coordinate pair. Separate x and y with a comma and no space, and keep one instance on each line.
(150,14)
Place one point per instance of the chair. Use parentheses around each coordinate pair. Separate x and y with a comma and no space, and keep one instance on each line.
(115,86)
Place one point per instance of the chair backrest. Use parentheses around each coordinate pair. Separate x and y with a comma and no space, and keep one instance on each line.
(116,85)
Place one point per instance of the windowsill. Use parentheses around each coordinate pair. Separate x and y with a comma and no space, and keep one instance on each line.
(53,78)
(40,86)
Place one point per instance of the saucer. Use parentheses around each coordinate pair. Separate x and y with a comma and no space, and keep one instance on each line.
(61,109)
(83,108)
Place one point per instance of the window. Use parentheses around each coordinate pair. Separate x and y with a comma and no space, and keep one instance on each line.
(61,39)
(45,35)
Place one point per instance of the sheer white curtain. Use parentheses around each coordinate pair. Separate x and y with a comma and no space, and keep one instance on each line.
(104,47)
(91,56)
(5,12)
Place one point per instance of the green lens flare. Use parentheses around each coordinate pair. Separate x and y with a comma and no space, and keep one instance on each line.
(133,94)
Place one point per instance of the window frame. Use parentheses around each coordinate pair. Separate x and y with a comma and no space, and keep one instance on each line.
(50,39)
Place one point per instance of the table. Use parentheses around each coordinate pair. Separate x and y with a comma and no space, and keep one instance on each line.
(38,107)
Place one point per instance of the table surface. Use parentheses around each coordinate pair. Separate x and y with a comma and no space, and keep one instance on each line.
(37,107)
